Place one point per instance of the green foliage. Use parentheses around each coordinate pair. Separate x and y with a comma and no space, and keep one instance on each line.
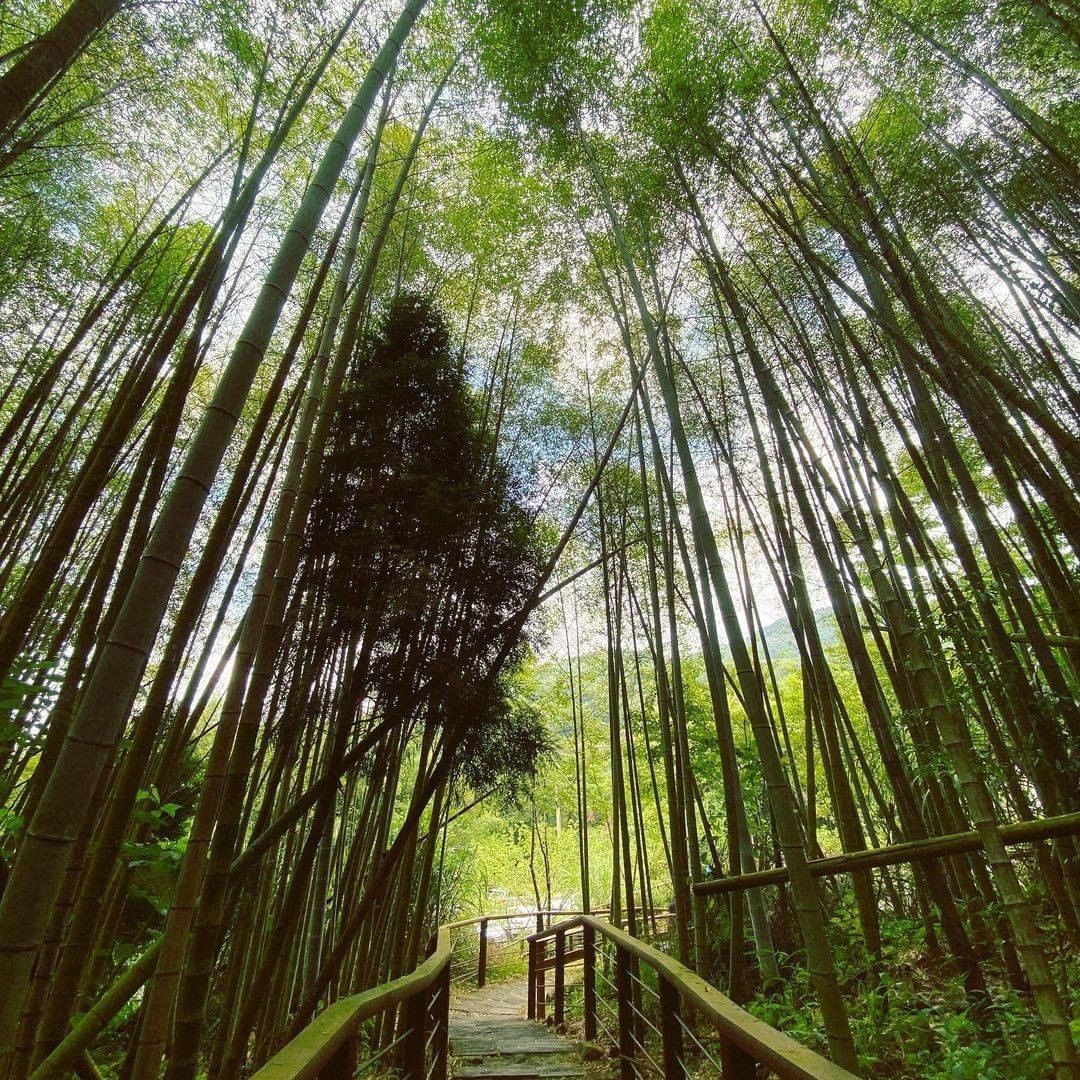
(503,751)
(916,1023)
(549,58)
(25,700)
(170,257)
(893,189)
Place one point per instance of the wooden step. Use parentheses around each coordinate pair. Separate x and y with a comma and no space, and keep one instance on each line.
(490,1038)
(515,1072)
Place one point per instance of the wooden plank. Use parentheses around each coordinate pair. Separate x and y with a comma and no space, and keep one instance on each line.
(487,1043)
(521,1072)
(569,958)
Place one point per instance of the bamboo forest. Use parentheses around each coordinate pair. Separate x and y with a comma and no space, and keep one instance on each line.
(540,538)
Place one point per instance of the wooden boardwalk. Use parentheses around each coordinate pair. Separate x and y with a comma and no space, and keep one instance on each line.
(490,1036)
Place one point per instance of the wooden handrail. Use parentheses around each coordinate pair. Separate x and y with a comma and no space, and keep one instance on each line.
(475,920)
(313,1049)
(326,1047)
(483,920)
(935,847)
(755,1040)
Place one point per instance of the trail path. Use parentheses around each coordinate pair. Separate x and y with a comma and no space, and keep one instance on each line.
(490,1036)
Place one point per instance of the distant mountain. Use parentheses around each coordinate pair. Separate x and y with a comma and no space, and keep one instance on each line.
(780,638)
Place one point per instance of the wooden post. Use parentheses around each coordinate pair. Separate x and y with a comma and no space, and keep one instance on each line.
(588,944)
(541,980)
(636,999)
(532,981)
(671,1031)
(736,1062)
(414,1048)
(481,967)
(440,1067)
(626,1014)
(560,978)
(342,1066)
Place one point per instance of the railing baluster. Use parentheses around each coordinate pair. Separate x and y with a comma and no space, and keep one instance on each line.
(635,991)
(481,967)
(626,1013)
(541,980)
(440,1068)
(342,1066)
(588,937)
(671,1031)
(414,1049)
(419,1004)
(737,1063)
(534,948)
(560,978)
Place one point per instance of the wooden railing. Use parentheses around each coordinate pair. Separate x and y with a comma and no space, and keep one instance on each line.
(474,968)
(935,847)
(328,1048)
(659,1036)
(656,1027)
(417,1044)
